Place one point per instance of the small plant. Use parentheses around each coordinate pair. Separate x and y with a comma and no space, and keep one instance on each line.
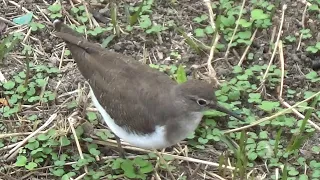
(97,31)
(313,76)
(314,49)
(305,33)
(156,29)
(136,168)
(6,45)
(25,88)
(80,14)
(36,26)
(145,22)
(165,68)
(55,11)
(260,18)
(291,39)
(201,18)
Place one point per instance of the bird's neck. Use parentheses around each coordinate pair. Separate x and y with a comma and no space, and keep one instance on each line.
(183,126)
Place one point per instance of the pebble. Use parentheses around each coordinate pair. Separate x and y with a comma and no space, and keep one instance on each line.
(117,47)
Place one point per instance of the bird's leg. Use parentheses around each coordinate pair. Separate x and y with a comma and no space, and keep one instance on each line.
(121,150)
(164,163)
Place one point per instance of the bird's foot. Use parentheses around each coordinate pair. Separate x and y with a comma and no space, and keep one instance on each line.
(122,152)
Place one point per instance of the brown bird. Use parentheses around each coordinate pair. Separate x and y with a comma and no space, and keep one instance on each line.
(141,105)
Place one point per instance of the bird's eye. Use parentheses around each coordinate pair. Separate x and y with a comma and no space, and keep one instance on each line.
(202,102)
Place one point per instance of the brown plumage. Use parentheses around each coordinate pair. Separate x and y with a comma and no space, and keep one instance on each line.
(137,97)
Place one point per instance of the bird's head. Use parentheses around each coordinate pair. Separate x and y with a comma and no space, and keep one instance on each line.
(200,97)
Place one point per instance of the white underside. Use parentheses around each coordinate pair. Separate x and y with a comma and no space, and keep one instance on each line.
(154,140)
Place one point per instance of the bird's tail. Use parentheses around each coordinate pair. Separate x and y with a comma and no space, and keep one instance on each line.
(74,40)
(59,26)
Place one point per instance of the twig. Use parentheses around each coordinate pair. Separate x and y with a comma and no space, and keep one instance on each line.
(282,67)
(24,9)
(70,119)
(87,12)
(273,34)
(284,7)
(165,164)
(81,176)
(302,23)
(271,117)
(247,48)
(8,22)
(212,72)
(235,30)
(114,144)
(299,114)
(51,118)
(41,12)
(27,36)
(19,134)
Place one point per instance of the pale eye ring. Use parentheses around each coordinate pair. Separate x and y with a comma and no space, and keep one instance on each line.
(202,102)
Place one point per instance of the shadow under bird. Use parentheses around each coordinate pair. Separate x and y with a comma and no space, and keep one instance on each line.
(140,105)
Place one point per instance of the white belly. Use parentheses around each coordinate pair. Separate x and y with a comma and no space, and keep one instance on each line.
(155,140)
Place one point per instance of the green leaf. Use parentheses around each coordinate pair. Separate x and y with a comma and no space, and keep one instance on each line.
(31,165)
(25,19)
(91,116)
(14,99)
(244,34)
(75,10)
(21,161)
(34,98)
(237,69)
(209,30)
(58,172)
(199,32)
(317,45)
(303,177)
(258,14)
(316,149)
(94,152)
(145,21)
(107,40)
(32,145)
(117,163)
(181,75)
(21,89)
(54,8)
(293,172)
(228,21)
(128,167)
(41,82)
(64,141)
(146,169)
(139,161)
(252,156)
(263,135)
(268,105)
(311,75)
(82,8)
(312,49)
(201,18)
(67,52)
(22,74)
(129,28)
(68,176)
(59,163)
(43,137)
(244,23)
(9,85)
(202,140)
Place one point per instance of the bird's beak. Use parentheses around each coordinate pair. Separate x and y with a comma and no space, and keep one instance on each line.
(220,108)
